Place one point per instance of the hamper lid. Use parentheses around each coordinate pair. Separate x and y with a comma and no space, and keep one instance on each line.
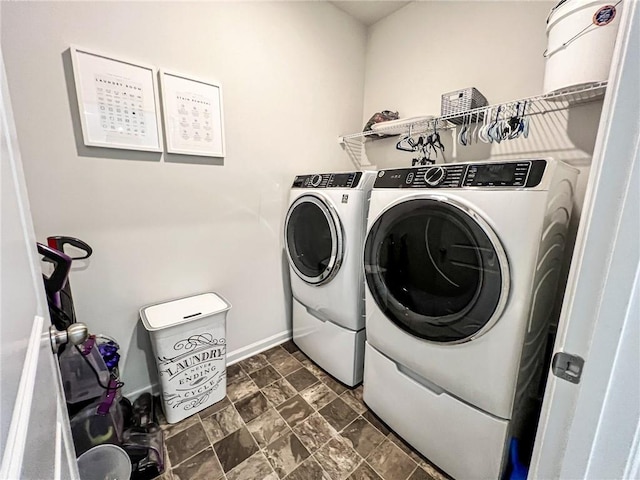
(175,312)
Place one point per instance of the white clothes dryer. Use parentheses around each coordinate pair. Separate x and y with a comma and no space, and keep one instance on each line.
(324,237)
(462,264)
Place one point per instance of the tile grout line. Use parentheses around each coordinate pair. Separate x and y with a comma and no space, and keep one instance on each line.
(210,445)
(364,460)
(311,455)
(224,474)
(260,449)
(244,426)
(292,433)
(338,433)
(320,464)
(197,452)
(413,471)
(386,438)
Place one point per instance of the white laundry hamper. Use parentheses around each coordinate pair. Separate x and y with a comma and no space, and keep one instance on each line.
(188,337)
(581,35)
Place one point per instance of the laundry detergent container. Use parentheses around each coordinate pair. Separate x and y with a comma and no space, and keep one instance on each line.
(188,337)
(581,35)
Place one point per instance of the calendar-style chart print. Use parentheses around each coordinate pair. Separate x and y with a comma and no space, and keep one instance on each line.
(192,116)
(117,101)
(120,102)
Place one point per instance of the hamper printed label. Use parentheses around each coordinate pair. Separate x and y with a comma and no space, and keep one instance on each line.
(604,15)
(194,373)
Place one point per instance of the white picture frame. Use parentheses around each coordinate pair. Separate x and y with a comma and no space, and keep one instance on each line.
(192,114)
(118,101)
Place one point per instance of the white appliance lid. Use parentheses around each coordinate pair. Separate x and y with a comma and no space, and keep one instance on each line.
(168,314)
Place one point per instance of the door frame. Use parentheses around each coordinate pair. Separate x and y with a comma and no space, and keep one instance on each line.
(592,429)
(35,410)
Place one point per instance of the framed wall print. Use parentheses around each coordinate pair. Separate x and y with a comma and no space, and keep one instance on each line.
(192,114)
(118,102)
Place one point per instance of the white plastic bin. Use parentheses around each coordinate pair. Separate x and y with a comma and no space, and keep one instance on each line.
(188,336)
(580,38)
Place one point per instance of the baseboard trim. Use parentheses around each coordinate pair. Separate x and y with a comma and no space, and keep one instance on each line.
(257,347)
(232,357)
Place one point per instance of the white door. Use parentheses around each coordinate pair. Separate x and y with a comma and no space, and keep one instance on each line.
(591,429)
(35,439)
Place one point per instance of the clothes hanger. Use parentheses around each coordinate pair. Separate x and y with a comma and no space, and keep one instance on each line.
(434,139)
(406,143)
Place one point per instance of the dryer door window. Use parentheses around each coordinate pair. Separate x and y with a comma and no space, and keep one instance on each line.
(436,270)
(313,237)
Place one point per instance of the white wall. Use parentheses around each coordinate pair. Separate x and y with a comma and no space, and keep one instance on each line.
(429,48)
(166,226)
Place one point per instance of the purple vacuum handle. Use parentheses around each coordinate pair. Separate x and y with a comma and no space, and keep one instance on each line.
(58,242)
(88,344)
(105,405)
(62,265)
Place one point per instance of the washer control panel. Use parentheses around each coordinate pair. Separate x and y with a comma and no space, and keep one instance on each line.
(518,174)
(434,176)
(328,180)
(497,175)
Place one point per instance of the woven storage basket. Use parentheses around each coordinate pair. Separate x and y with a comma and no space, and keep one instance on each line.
(460,101)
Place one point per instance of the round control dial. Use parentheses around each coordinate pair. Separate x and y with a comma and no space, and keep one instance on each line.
(435,176)
(316,180)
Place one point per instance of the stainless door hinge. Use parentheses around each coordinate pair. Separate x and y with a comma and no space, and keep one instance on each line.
(568,367)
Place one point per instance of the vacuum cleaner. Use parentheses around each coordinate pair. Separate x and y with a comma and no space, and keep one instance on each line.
(99,413)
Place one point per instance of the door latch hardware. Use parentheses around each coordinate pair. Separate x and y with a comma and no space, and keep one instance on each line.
(568,367)
(76,334)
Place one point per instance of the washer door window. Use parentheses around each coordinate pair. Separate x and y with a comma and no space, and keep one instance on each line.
(313,236)
(436,270)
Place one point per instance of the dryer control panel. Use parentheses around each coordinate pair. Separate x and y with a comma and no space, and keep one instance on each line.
(328,180)
(518,174)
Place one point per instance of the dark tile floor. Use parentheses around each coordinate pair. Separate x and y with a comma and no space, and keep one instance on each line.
(285,418)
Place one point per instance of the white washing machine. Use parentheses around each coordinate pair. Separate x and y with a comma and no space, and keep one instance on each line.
(324,237)
(462,264)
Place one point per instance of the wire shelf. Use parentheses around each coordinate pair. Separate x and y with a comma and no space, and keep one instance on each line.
(560,100)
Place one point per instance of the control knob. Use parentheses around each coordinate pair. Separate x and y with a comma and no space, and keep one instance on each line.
(316,180)
(435,176)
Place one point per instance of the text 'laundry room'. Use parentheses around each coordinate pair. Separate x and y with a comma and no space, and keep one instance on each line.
(320,240)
